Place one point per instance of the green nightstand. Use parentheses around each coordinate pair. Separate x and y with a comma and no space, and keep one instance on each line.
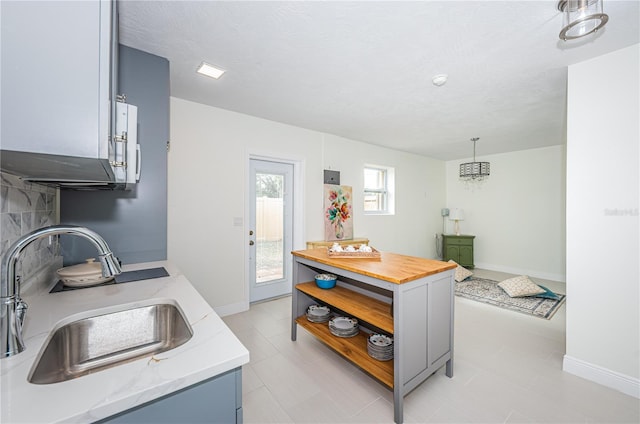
(459,248)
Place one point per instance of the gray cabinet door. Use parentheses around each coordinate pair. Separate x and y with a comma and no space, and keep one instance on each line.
(55,77)
(217,400)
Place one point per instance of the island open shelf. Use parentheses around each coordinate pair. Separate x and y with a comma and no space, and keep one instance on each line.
(352,348)
(364,308)
(406,297)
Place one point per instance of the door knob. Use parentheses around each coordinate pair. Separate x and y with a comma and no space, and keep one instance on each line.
(251,243)
(250,232)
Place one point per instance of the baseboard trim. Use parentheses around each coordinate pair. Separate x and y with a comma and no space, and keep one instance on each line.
(614,380)
(234,308)
(520,271)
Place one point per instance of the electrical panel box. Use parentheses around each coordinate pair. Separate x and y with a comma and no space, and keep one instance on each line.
(331,177)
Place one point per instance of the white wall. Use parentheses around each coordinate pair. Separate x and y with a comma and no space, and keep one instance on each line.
(207,191)
(517,214)
(420,193)
(603,251)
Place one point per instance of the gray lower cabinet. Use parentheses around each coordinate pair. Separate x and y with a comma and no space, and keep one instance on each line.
(216,400)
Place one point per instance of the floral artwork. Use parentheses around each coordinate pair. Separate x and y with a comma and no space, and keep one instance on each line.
(338,215)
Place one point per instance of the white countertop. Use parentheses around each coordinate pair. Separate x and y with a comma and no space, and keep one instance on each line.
(212,350)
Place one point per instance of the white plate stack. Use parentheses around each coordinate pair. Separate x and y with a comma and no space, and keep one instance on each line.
(344,326)
(317,313)
(380,347)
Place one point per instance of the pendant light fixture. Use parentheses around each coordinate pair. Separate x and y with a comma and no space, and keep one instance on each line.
(474,171)
(581,17)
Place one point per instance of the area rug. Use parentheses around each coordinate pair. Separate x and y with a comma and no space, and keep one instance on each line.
(487,291)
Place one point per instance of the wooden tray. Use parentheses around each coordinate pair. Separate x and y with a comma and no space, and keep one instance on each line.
(374,254)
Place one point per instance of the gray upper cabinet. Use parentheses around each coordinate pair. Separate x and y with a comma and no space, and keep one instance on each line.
(58,76)
(55,77)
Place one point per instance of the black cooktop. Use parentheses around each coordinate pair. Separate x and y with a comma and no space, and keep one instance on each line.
(125,277)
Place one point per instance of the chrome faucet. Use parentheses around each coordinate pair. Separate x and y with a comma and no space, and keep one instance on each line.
(12,307)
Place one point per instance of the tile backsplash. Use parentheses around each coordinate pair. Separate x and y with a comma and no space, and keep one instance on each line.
(25,207)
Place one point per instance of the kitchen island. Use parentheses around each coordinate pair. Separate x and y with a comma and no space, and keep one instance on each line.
(210,360)
(407,298)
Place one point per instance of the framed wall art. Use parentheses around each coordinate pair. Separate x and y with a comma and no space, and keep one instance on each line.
(338,214)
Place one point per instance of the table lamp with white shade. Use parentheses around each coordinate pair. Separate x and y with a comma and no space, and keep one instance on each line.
(456,215)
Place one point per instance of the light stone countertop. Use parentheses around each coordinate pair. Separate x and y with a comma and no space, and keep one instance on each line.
(212,350)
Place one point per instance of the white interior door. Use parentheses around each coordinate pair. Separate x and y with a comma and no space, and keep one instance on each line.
(270,229)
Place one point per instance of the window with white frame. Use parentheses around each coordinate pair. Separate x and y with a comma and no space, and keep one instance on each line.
(378,190)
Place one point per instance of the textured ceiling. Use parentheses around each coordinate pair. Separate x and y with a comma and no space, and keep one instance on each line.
(363,70)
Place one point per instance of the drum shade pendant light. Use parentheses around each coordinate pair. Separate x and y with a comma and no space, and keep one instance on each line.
(474,171)
(581,17)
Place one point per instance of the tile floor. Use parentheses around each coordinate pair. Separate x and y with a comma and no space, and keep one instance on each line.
(507,369)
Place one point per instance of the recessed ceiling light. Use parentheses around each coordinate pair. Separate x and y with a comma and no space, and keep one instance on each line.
(210,70)
(439,79)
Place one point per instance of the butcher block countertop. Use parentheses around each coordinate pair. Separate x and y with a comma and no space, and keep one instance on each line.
(391,267)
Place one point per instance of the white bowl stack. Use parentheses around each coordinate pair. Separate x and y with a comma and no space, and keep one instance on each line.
(380,347)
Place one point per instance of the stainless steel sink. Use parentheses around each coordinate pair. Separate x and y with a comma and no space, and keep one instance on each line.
(106,340)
